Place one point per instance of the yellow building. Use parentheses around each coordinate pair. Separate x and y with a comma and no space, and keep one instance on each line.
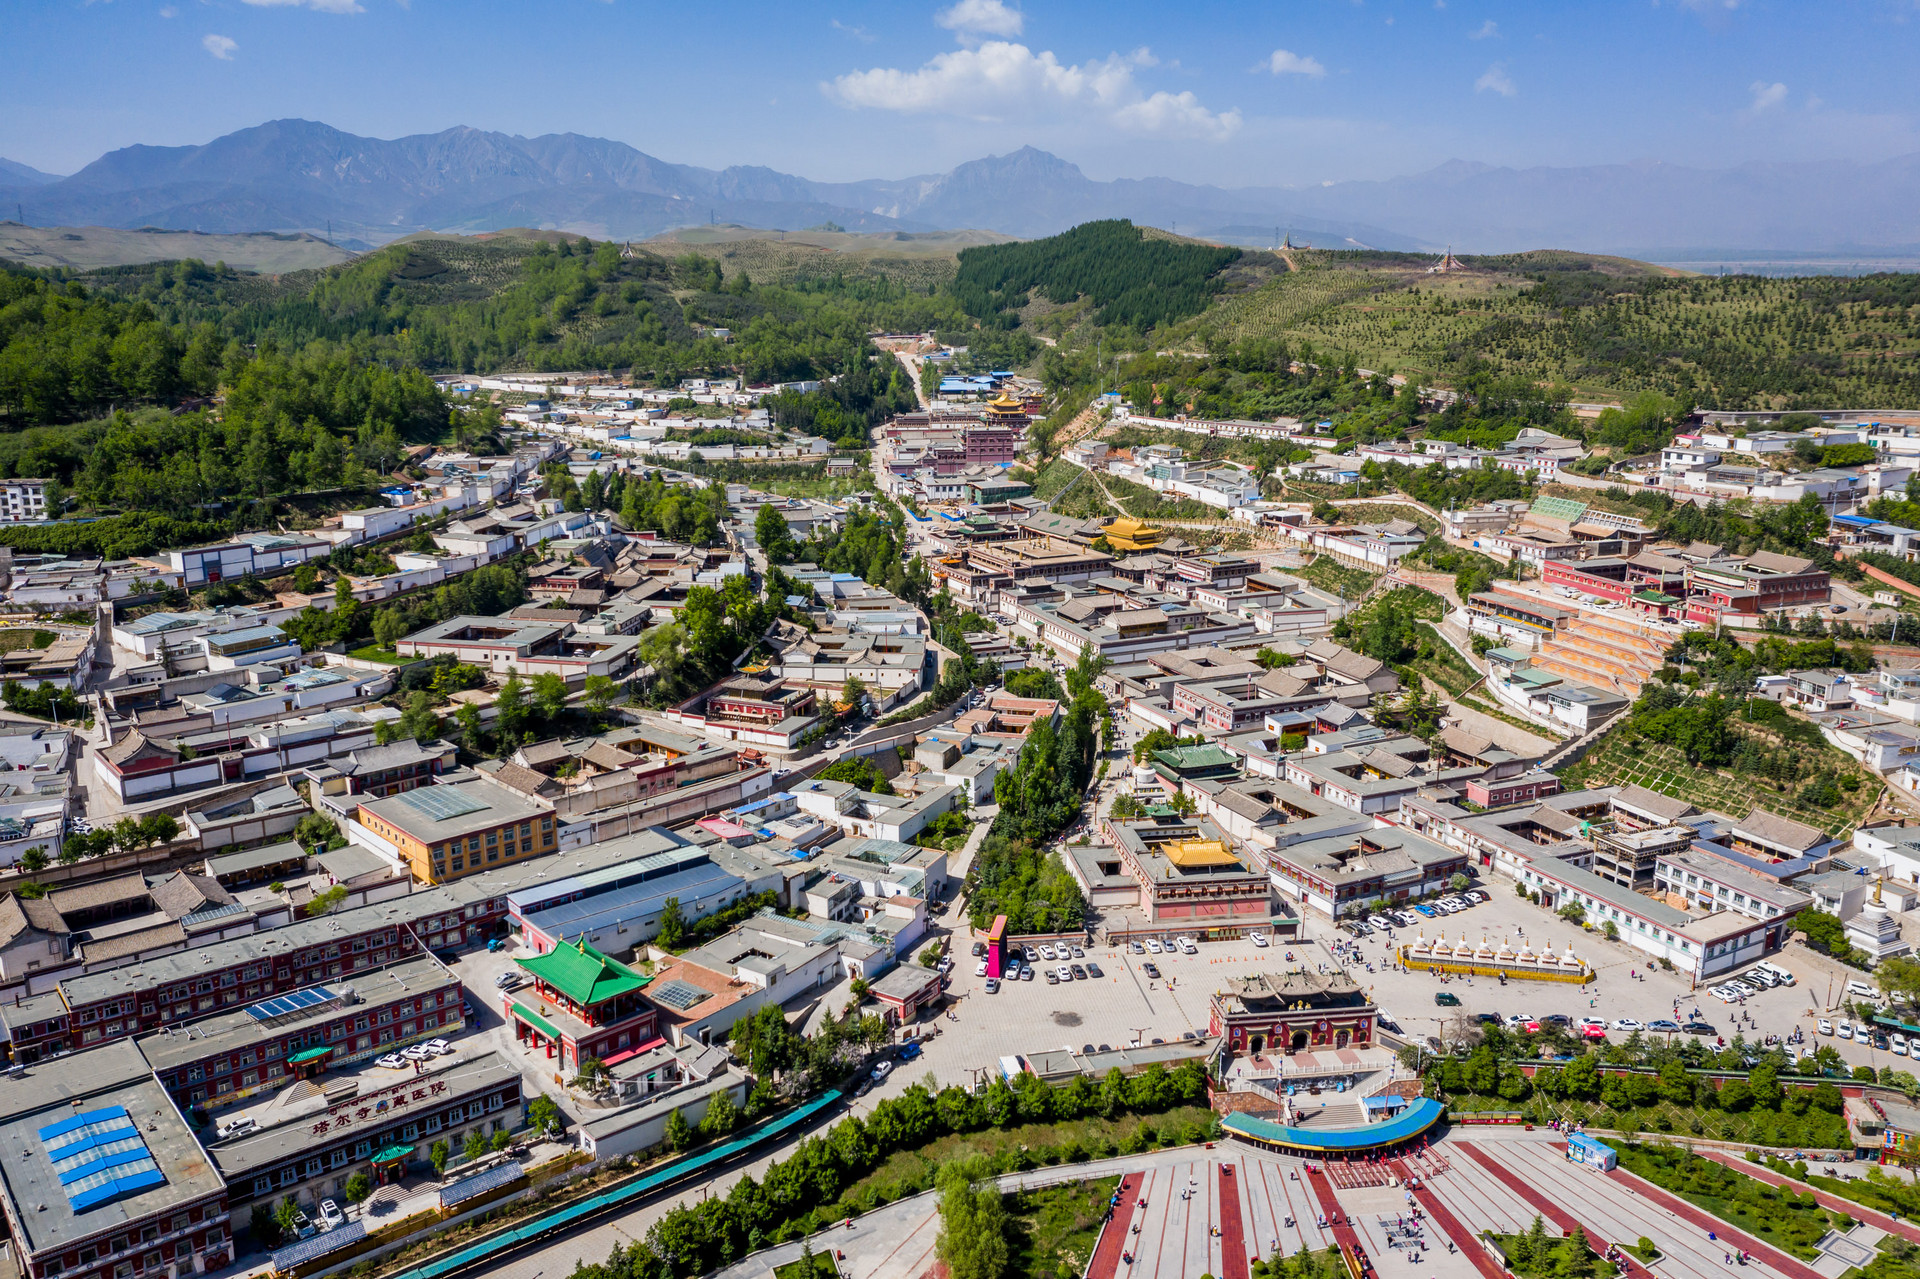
(1128,534)
(1004,410)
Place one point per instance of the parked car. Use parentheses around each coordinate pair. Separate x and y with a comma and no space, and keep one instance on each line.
(1628,1023)
(945,965)
(1700,1028)
(1136,948)
(1053,978)
(980,969)
(330,1215)
(993,985)
(1093,970)
(1258,939)
(1670,1027)
(1425,909)
(1187,946)
(1557,1019)
(1589,1022)
(1079,973)
(440,1046)
(392,1061)
(1150,969)
(1079,953)
(507,980)
(1446,999)
(1897,1045)
(979,949)
(1826,1027)
(1065,973)
(881,1069)
(1046,952)
(238,1126)
(1153,944)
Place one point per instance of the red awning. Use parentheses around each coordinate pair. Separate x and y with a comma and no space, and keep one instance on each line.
(626,1053)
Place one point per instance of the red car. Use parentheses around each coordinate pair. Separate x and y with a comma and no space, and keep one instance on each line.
(1593,1032)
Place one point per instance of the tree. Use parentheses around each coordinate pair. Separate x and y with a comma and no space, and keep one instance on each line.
(323,903)
(510,711)
(851,693)
(973,1227)
(543,1114)
(679,1134)
(476,1144)
(34,859)
(550,694)
(438,1154)
(673,928)
(358,1187)
(316,830)
(599,692)
(771,531)
(722,1116)
(389,627)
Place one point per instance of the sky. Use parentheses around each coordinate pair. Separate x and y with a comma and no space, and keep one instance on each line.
(1285,92)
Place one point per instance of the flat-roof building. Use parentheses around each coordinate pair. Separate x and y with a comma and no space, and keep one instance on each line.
(459,827)
(103,1178)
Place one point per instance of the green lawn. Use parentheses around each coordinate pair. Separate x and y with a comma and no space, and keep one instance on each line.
(818,1265)
(1053,1229)
(374,653)
(1790,1222)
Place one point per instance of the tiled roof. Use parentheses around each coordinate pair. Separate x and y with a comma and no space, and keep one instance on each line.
(583,974)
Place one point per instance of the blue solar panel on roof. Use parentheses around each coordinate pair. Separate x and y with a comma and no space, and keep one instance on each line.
(100,1156)
(318,1245)
(281,1005)
(479,1184)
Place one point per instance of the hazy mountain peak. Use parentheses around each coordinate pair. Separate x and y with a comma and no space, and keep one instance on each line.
(13,173)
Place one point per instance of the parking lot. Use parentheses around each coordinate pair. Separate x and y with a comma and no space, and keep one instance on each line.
(1625,985)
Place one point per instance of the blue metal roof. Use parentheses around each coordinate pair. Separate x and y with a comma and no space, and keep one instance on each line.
(318,1245)
(472,1187)
(1855,521)
(1411,1122)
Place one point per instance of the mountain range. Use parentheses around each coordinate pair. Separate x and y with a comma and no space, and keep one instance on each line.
(297,175)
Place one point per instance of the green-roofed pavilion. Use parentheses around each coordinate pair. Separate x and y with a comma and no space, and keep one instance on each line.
(1182,762)
(584,1005)
(583,975)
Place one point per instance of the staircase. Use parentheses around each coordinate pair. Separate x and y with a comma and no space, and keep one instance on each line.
(1606,652)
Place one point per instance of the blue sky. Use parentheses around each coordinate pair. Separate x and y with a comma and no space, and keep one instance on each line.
(1277,93)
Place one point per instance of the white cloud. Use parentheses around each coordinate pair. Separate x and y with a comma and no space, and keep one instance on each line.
(858,33)
(318,6)
(1496,80)
(169,12)
(1487,29)
(1709,6)
(221,47)
(973,18)
(1766,96)
(1285,63)
(1002,80)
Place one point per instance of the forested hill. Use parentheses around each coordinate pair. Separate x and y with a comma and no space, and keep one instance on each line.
(323,376)
(1127,277)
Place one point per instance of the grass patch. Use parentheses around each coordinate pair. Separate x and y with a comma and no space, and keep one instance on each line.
(374,653)
(18,640)
(1790,1222)
(908,1172)
(817,1265)
(1384,512)
(1334,577)
(1055,1228)
(1811,1131)
(1623,756)
(1055,476)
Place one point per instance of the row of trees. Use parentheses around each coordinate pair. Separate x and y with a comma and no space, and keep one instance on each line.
(807,1186)
(1014,872)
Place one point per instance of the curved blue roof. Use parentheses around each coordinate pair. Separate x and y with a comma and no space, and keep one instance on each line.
(1411,1122)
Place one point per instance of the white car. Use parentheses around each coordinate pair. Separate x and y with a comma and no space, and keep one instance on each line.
(417,1052)
(439,1046)
(882,1070)
(1258,939)
(1627,1023)
(330,1215)
(1153,944)
(980,969)
(1826,1027)
(1897,1045)
(1046,952)
(1593,1023)
(392,1061)
(1187,946)
(1064,973)
(1845,1030)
